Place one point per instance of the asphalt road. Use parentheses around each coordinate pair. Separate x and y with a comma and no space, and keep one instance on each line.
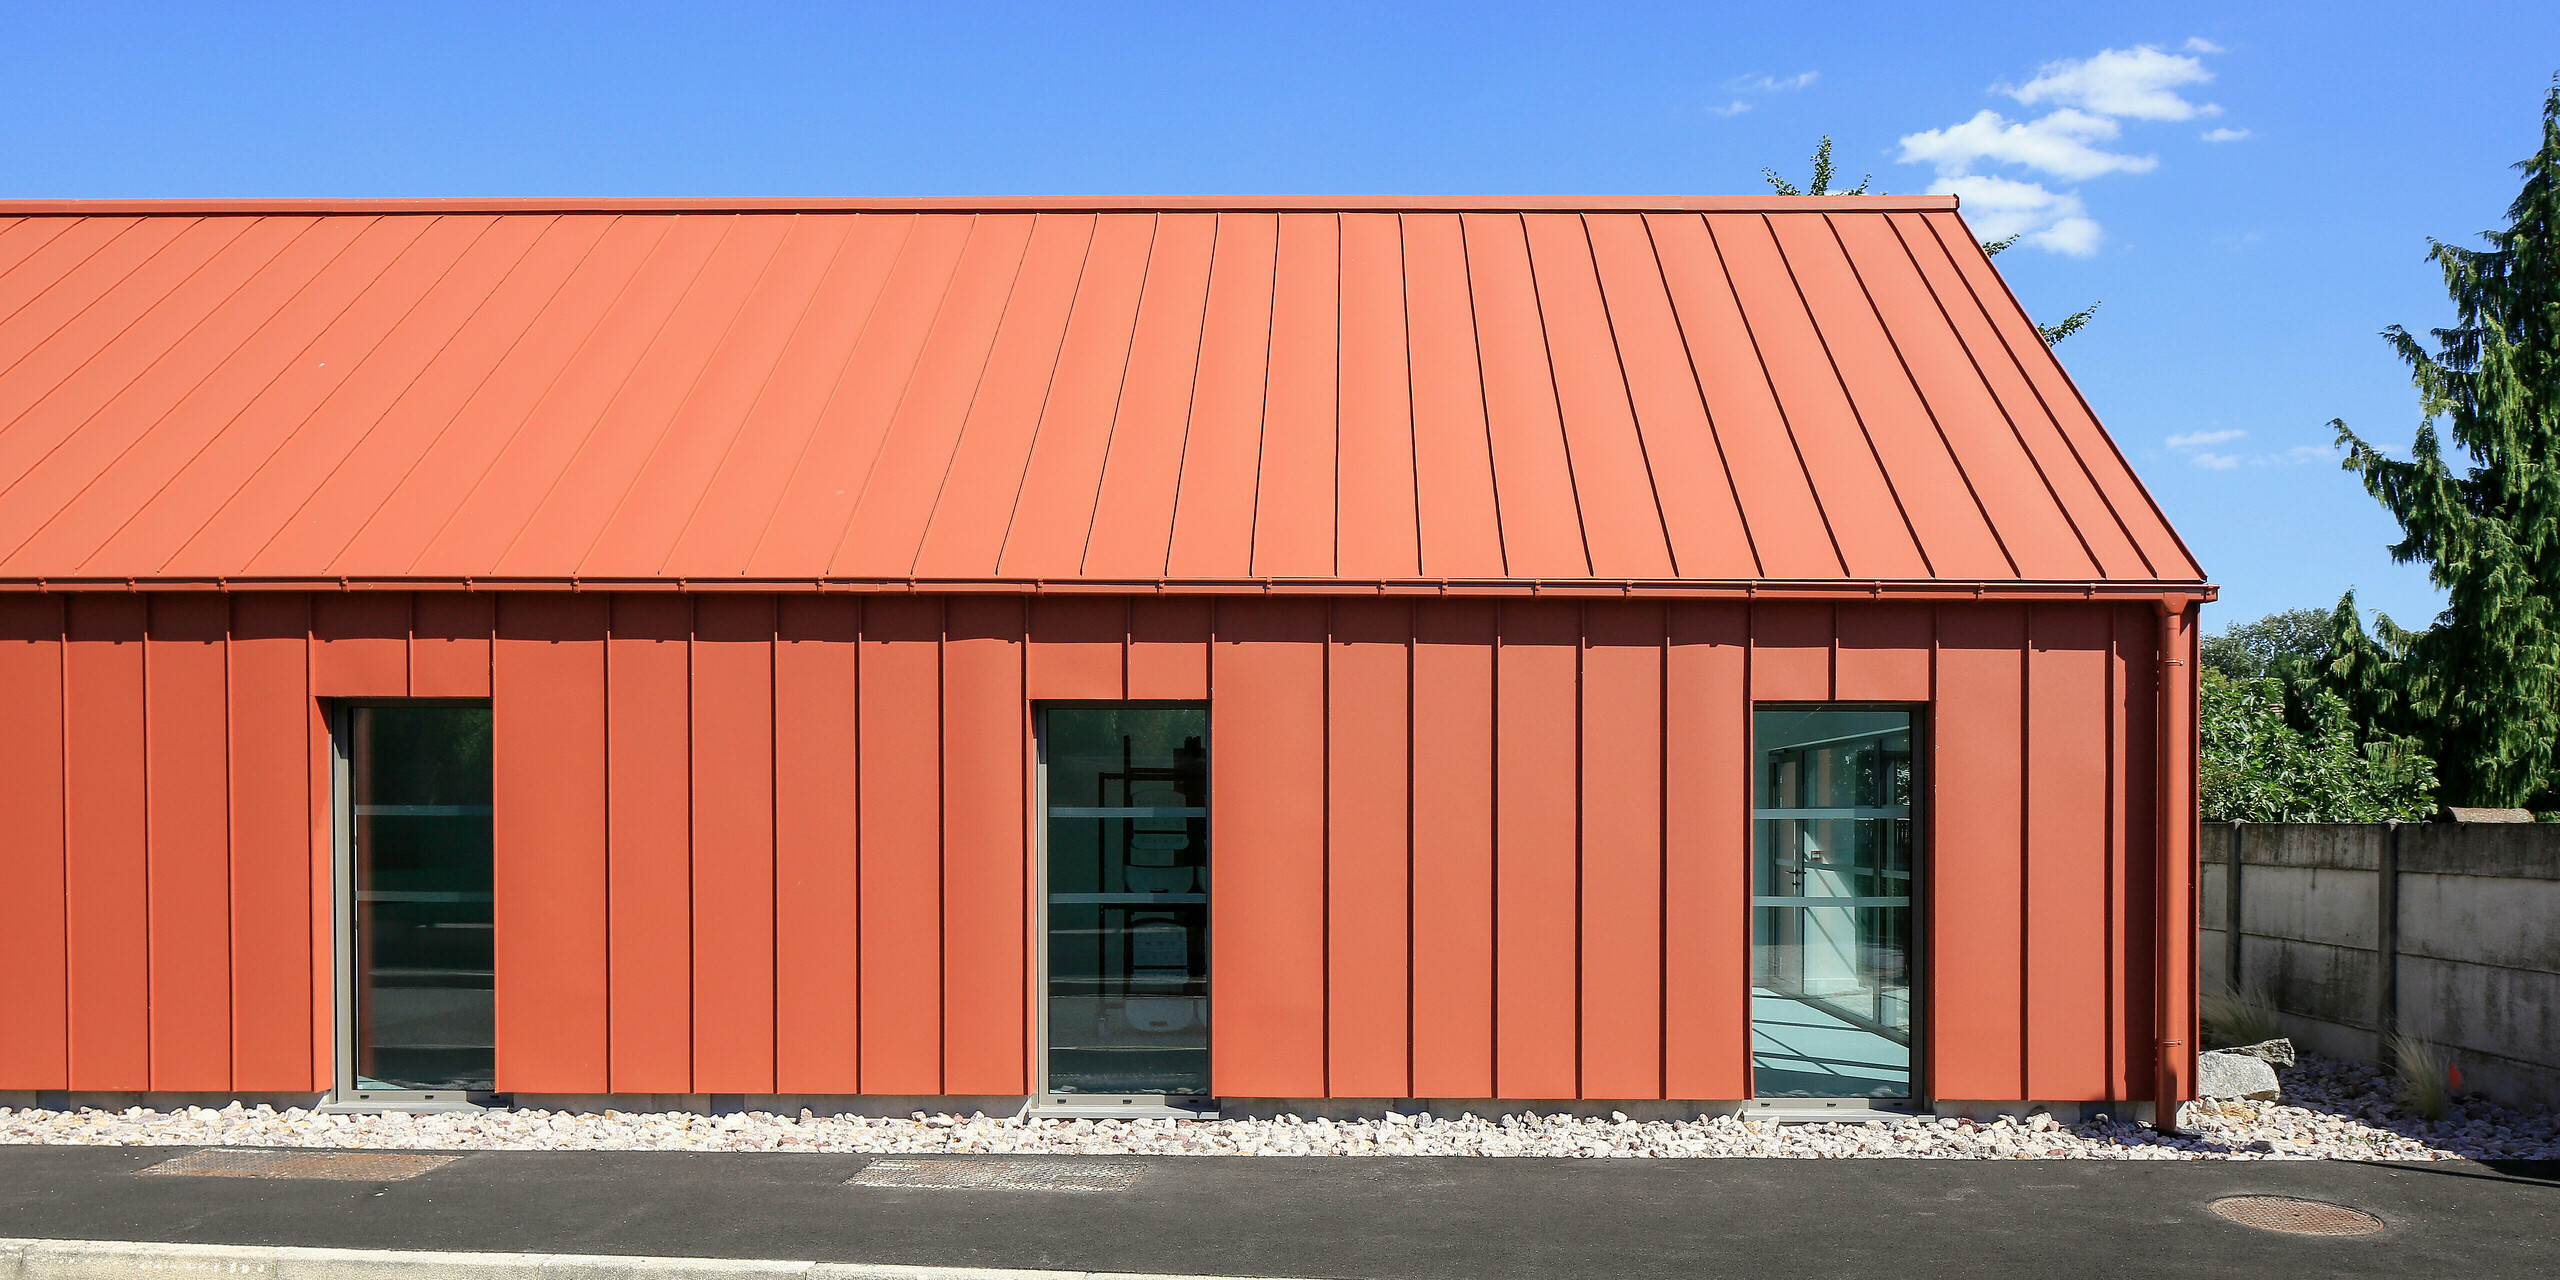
(1357,1218)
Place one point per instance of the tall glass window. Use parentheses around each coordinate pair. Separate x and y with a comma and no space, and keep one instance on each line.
(416,821)
(1127,808)
(1835,851)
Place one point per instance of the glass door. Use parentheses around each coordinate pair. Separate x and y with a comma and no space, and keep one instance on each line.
(1125,797)
(1832,873)
(417,931)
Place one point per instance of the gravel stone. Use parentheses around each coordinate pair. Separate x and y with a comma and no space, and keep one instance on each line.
(2334,1111)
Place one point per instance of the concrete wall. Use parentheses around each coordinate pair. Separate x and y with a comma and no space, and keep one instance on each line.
(2446,931)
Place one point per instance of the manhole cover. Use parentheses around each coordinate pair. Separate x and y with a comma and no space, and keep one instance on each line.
(1000,1175)
(2300,1217)
(339,1166)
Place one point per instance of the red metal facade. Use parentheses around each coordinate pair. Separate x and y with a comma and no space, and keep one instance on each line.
(753,843)
(765,526)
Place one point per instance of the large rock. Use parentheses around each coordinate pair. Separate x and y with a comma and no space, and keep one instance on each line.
(2234,1075)
(2275,1053)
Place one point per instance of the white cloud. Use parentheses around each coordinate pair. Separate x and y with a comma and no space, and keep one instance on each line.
(1734,108)
(2089,100)
(1998,208)
(2077,237)
(2293,457)
(2057,143)
(1758,83)
(2139,82)
(2192,439)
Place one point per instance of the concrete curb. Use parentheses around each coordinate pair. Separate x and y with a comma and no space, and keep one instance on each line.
(103,1259)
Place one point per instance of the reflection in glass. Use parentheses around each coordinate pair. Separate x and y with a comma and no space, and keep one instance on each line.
(418,786)
(1128,818)
(1831,931)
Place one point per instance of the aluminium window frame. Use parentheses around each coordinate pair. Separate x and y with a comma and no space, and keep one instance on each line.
(1922,1099)
(343,1093)
(1041,1100)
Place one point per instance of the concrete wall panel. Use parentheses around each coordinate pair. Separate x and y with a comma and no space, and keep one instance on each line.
(2493,920)
(2308,903)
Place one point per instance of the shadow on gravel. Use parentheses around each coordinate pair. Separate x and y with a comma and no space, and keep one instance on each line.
(2475,1128)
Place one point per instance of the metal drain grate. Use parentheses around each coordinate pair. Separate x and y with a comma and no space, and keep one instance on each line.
(1000,1175)
(336,1166)
(2299,1217)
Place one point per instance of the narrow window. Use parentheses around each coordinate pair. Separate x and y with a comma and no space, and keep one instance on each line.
(418,988)
(1126,803)
(1835,852)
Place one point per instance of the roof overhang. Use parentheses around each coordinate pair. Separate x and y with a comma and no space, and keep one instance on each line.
(997,204)
(1927,589)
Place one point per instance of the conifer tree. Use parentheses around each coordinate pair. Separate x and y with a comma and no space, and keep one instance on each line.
(2481,687)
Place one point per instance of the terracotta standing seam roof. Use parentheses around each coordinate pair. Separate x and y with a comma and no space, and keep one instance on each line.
(1198,393)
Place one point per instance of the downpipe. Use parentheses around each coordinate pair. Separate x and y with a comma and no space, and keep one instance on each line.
(2173,901)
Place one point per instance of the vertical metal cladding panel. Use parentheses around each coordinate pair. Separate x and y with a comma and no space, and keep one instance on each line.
(1078,648)
(1706,869)
(1367,854)
(1169,649)
(360,645)
(272,803)
(1267,799)
(901,812)
(105,797)
(1883,654)
(2135,822)
(552,825)
(1791,652)
(1453,736)
(817,884)
(1537,890)
(1976,906)
(320,875)
(2067,851)
(986,860)
(35,1017)
(190,847)
(649,815)
(1622,868)
(449,644)
(733,962)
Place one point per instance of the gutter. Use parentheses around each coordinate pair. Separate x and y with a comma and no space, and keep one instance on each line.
(2146,591)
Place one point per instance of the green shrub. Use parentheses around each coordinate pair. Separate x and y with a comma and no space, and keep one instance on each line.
(2267,762)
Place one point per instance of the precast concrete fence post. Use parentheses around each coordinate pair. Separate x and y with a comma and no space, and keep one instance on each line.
(2386,942)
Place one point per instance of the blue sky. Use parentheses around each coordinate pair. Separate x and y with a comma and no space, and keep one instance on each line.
(2244,279)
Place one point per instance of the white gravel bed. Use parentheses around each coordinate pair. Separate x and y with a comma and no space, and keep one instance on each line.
(2333,1110)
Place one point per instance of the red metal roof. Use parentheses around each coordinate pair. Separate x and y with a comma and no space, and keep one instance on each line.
(1665,392)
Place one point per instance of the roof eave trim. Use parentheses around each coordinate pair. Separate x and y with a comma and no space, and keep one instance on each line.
(999,204)
(1584,588)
